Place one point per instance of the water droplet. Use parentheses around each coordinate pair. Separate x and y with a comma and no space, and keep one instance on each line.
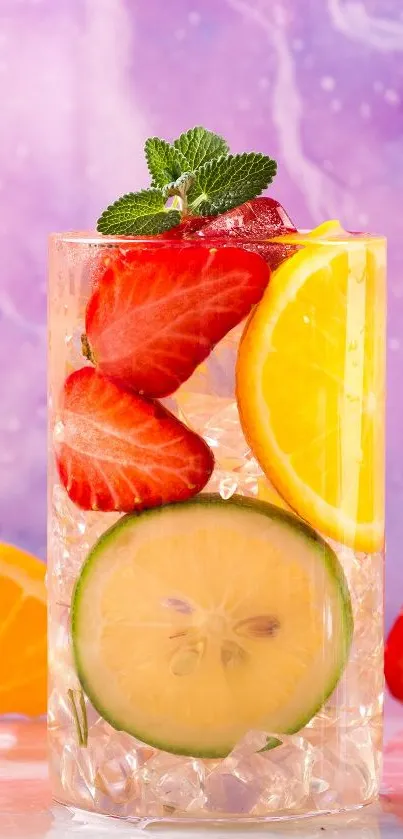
(194,18)
(327,83)
(392,97)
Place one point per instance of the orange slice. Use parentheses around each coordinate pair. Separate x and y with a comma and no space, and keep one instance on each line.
(22,633)
(327,230)
(310,387)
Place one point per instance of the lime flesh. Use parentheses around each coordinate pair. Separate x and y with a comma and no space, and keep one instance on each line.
(195,623)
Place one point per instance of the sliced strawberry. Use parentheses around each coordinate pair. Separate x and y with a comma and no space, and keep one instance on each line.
(118,451)
(394,659)
(156,314)
(252,223)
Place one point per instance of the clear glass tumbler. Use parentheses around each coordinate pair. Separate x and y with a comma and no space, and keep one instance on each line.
(216,525)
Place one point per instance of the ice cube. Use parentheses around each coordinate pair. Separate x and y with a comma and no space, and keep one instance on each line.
(250,224)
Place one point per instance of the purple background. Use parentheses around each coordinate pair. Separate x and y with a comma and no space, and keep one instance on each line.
(316,83)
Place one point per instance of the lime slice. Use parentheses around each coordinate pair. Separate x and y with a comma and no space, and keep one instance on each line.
(197,622)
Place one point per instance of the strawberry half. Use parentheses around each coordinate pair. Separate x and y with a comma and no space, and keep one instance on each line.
(118,451)
(394,659)
(252,223)
(156,314)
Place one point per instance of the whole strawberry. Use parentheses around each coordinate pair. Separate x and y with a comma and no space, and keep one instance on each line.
(394,659)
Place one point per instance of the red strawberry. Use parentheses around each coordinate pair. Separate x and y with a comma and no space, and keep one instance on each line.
(156,314)
(394,659)
(119,451)
(252,223)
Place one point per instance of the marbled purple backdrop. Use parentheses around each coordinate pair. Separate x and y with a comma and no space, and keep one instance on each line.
(316,83)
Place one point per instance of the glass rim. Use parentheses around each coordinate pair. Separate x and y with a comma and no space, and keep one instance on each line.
(92,237)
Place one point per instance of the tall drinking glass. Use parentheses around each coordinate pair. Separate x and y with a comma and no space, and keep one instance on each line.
(216,525)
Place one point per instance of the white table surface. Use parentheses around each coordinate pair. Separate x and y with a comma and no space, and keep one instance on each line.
(27,812)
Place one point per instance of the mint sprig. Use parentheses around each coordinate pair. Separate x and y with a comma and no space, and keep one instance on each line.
(226,182)
(194,175)
(272,743)
(181,186)
(138,213)
(198,146)
(165,162)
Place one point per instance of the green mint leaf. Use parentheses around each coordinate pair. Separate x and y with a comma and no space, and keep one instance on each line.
(165,163)
(226,182)
(79,711)
(180,186)
(138,213)
(272,743)
(199,145)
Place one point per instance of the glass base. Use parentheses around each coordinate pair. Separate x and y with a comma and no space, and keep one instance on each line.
(86,816)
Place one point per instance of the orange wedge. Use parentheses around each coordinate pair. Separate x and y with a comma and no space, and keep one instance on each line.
(310,387)
(22,633)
